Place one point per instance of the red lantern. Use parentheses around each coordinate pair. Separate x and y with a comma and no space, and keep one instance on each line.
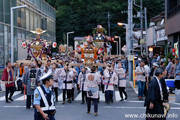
(23,44)
(173,51)
(54,45)
(100,51)
(112,39)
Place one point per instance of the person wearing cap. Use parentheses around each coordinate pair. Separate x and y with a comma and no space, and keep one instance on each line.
(92,82)
(81,82)
(121,81)
(110,80)
(155,65)
(67,76)
(142,77)
(44,99)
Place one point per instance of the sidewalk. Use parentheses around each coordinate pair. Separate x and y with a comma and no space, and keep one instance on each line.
(171,96)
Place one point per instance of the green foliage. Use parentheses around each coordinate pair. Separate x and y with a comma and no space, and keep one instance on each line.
(82,16)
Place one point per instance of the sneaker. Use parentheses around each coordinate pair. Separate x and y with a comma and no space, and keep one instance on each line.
(63,102)
(125,98)
(88,112)
(122,100)
(95,114)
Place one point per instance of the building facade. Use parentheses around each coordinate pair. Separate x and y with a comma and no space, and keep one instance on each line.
(172,22)
(38,14)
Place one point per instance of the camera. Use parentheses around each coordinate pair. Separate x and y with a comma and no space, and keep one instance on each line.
(144,73)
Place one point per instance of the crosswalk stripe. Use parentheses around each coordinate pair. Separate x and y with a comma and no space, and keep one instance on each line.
(60,97)
(102,96)
(15,93)
(21,98)
(79,97)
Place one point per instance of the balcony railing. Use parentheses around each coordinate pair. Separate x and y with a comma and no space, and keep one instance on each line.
(173,11)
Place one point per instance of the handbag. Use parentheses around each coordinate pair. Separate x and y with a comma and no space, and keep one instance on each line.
(90,93)
(166,106)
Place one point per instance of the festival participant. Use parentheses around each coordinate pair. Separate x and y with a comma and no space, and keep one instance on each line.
(92,90)
(31,82)
(121,81)
(7,76)
(20,75)
(111,79)
(81,82)
(67,75)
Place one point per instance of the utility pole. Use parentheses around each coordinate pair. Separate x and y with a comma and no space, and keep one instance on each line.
(141,13)
(109,24)
(145,14)
(130,37)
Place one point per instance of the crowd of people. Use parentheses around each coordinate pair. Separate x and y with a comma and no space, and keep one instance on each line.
(38,81)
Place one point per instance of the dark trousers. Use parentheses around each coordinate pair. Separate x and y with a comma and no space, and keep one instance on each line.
(102,88)
(121,91)
(56,92)
(38,116)
(109,95)
(84,96)
(177,84)
(29,101)
(95,102)
(141,86)
(9,90)
(68,92)
(20,87)
(72,93)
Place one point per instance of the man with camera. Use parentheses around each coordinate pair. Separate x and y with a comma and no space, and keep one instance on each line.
(142,76)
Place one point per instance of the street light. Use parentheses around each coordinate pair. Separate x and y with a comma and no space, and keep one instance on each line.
(119,44)
(124,24)
(68,41)
(12,30)
(116,47)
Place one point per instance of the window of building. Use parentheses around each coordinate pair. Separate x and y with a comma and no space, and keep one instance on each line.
(31,20)
(7,11)
(27,19)
(19,17)
(1,11)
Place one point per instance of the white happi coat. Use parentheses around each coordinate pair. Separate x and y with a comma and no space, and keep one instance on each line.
(121,77)
(93,85)
(113,80)
(68,77)
(58,78)
(82,80)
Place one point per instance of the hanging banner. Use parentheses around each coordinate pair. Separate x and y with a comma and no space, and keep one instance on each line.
(176,50)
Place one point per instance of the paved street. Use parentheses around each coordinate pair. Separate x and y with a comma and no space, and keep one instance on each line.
(76,111)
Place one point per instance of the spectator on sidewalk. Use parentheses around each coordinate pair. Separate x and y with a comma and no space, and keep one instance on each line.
(142,75)
(171,72)
(169,65)
(177,72)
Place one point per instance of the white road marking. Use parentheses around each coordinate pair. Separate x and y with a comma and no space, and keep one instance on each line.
(60,97)
(15,93)
(21,98)
(79,97)
(117,96)
(102,96)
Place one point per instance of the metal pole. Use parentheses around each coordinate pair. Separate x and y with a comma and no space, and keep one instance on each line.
(12,37)
(145,14)
(67,44)
(141,27)
(130,38)
(109,24)
(117,48)
(119,45)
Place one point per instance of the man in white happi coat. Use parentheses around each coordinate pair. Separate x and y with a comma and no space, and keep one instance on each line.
(82,82)
(111,79)
(67,75)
